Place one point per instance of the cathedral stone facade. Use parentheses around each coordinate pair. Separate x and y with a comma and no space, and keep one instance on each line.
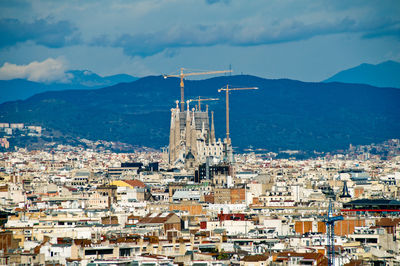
(190,134)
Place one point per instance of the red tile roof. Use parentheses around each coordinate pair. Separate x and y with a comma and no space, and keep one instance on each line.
(387,222)
(255,258)
(159,218)
(135,183)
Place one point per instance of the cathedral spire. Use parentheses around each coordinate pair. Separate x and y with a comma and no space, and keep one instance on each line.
(193,135)
(172,137)
(187,128)
(177,132)
(193,121)
(212,137)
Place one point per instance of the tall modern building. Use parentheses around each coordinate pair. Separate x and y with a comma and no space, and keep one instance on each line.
(192,137)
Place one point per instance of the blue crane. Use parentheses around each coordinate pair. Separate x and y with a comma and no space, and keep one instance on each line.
(330,220)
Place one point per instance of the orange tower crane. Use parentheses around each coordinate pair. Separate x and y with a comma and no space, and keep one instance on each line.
(199,100)
(227,89)
(182,75)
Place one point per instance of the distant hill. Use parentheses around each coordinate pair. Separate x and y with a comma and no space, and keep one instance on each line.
(386,74)
(19,89)
(92,80)
(282,114)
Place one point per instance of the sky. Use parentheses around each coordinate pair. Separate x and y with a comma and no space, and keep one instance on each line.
(306,40)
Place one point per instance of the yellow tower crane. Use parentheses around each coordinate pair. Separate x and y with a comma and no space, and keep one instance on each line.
(183,75)
(227,89)
(199,100)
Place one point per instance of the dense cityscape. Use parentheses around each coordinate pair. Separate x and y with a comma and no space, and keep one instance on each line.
(199,133)
(197,203)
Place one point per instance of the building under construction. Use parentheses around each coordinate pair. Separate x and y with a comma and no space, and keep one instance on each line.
(192,138)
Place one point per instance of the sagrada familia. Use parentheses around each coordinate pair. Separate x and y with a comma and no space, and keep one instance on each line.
(191,140)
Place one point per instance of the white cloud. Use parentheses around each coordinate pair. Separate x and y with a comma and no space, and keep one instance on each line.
(49,70)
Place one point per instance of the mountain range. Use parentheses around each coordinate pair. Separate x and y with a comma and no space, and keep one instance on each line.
(18,89)
(282,114)
(386,74)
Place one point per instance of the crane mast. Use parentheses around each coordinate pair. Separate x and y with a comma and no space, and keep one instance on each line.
(227,89)
(182,76)
(330,220)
